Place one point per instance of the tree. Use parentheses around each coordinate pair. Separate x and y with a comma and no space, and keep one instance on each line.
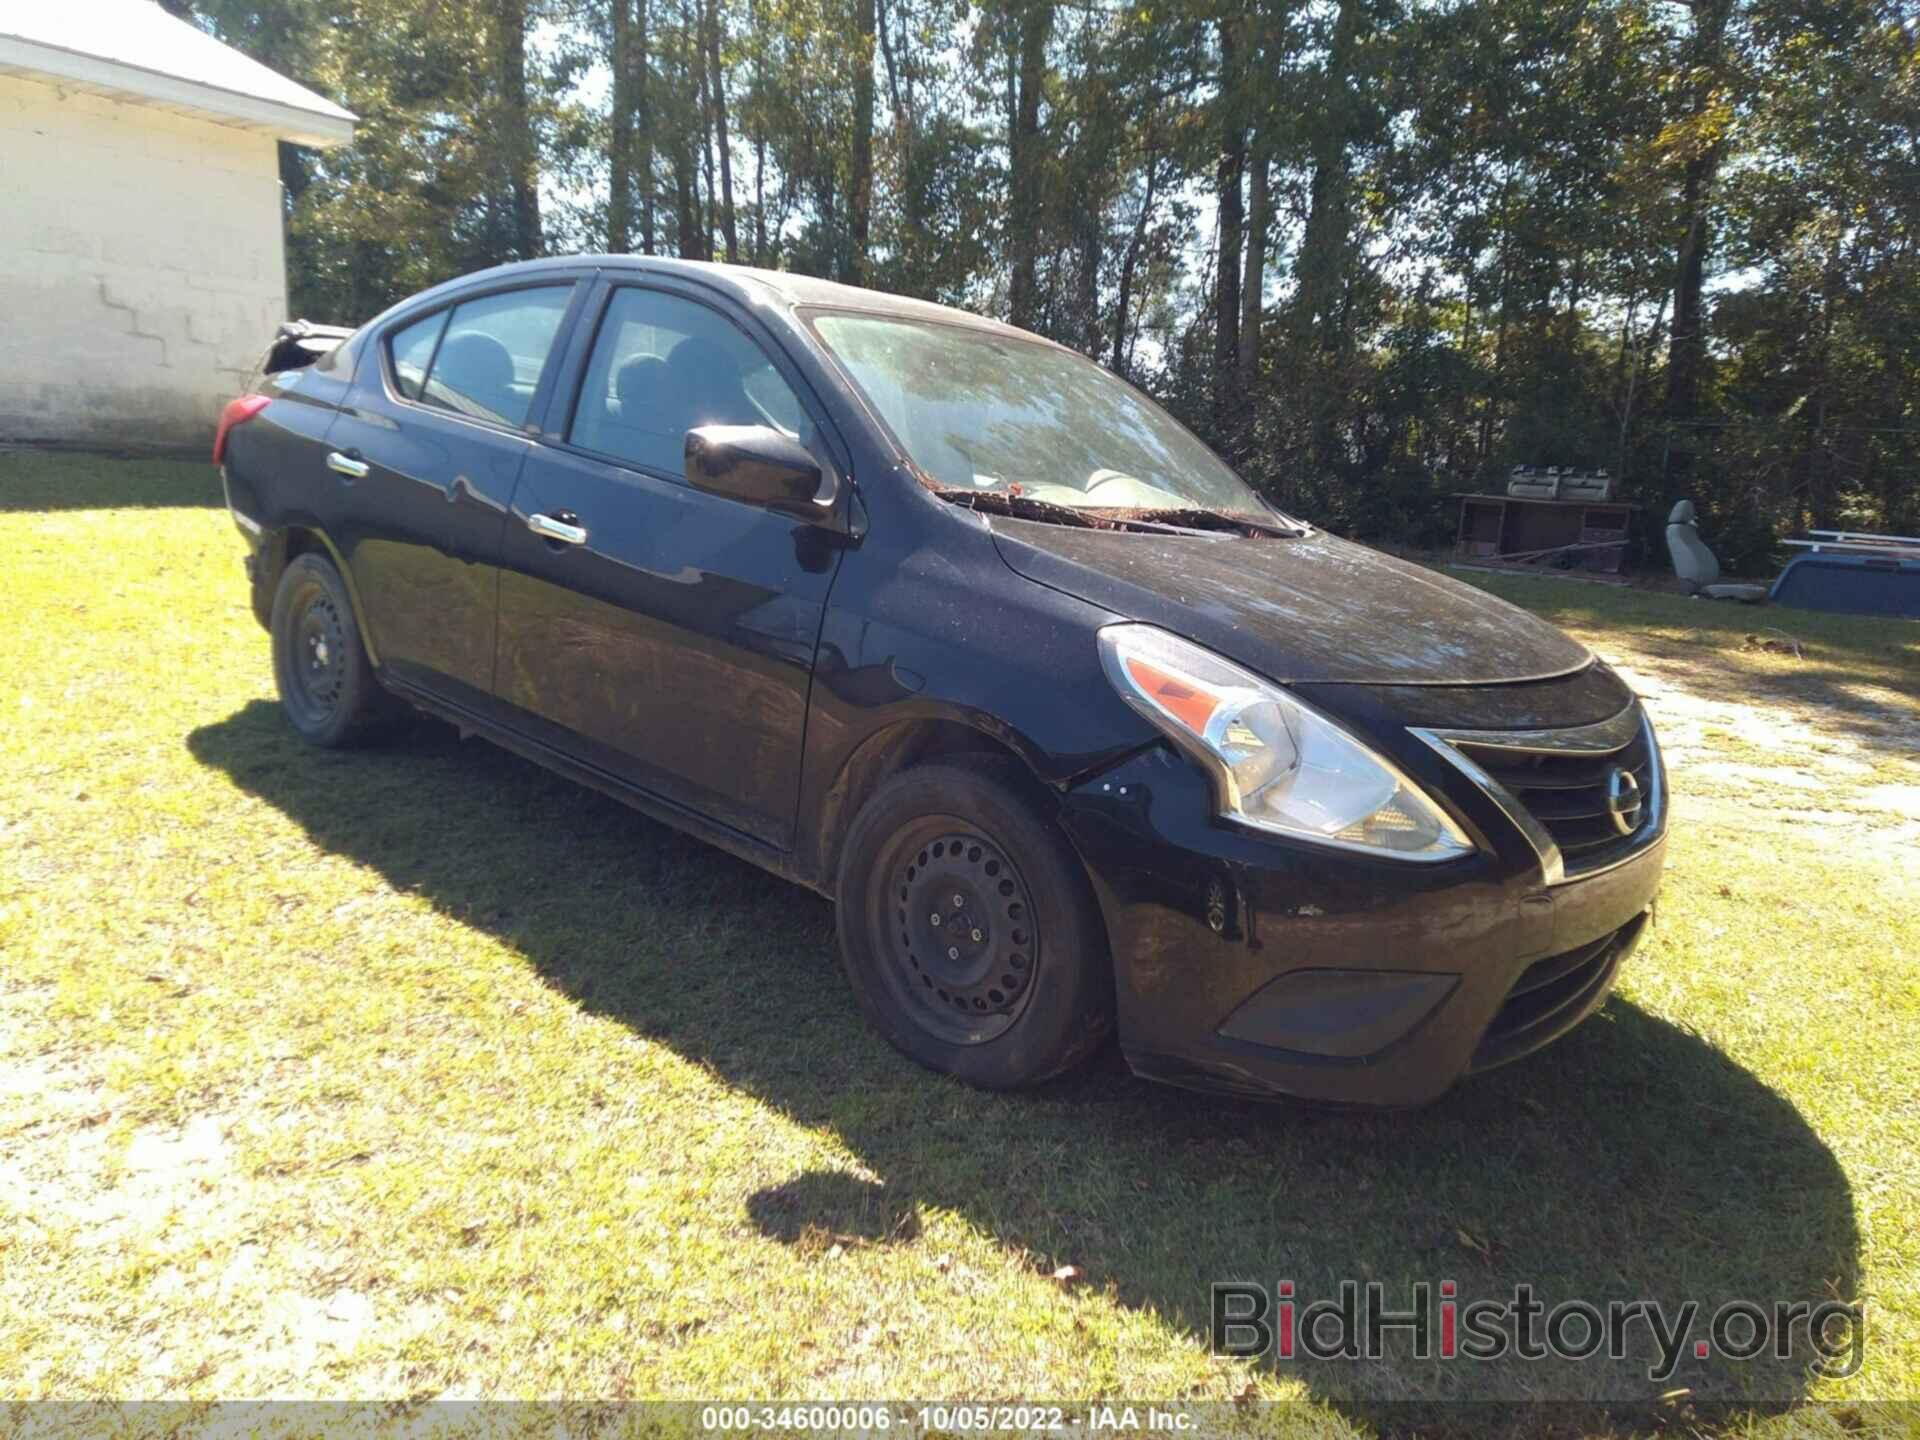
(1376,251)
(1031,25)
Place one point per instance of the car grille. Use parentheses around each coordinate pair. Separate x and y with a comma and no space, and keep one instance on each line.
(1554,784)
(1567,794)
(1553,995)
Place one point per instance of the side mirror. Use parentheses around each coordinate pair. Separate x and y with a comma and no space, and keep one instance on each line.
(757,465)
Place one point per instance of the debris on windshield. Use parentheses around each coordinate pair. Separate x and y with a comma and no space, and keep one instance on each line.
(1166,522)
(1248,525)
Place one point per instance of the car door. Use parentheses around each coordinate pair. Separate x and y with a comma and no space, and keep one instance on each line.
(426,458)
(668,638)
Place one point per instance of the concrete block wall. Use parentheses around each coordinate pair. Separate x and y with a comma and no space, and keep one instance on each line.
(142,267)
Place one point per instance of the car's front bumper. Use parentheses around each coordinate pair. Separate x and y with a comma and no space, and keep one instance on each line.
(1248,965)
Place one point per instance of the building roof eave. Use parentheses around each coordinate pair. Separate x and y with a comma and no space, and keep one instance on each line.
(322,128)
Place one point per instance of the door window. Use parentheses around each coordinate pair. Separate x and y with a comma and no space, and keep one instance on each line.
(663,365)
(489,360)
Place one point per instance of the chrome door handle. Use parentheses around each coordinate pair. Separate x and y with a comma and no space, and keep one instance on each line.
(552,529)
(346,465)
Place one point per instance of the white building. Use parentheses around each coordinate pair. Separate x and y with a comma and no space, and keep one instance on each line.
(142,266)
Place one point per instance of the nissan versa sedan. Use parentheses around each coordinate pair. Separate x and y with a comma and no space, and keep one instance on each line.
(946,622)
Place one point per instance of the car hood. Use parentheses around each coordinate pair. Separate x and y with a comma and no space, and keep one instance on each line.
(1312,610)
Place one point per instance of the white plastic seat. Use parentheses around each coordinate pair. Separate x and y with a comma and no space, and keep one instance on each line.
(1694,563)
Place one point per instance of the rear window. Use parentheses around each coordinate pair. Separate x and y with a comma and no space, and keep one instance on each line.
(481,359)
(413,351)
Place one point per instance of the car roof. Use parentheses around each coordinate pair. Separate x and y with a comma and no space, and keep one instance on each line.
(749,285)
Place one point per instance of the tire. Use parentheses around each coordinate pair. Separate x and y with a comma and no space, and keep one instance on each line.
(993,966)
(320,666)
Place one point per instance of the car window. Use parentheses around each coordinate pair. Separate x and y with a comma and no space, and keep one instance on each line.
(413,352)
(490,358)
(984,411)
(662,365)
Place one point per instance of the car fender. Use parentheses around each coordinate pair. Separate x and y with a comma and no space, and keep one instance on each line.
(278,550)
(940,650)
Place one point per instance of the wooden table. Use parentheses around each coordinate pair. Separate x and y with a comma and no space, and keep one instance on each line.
(1512,532)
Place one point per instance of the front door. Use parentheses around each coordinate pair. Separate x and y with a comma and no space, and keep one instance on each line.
(426,459)
(664,635)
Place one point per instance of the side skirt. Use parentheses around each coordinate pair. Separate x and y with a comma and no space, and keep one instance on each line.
(667,812)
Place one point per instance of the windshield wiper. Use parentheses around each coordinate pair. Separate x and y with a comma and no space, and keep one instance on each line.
(1196,517)
(1087,517)
(999,502)
(1175,520)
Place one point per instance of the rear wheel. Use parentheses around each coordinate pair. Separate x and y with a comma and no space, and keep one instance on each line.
(325,681)
(969,930)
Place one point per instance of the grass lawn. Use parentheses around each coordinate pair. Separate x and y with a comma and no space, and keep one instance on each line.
(417,1072)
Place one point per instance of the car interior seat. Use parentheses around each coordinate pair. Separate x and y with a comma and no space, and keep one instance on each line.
(1695,565)
(636,384)
(628,423)
(704,387)
(478,368)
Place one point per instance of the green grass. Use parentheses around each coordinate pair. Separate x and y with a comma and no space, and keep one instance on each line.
(417,1071)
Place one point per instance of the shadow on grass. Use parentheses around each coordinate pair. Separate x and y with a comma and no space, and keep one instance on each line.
(1631,1161)
(67,480)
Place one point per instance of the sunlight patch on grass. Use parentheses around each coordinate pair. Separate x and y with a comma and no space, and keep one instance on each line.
(417,1071)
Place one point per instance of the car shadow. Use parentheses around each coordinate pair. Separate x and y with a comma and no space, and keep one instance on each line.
(45,479)
(1631,1161)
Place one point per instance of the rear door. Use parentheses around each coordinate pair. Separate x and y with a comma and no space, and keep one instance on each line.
(671,644)
(425,460)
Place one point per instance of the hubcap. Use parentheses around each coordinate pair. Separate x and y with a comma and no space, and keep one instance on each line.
(962,935)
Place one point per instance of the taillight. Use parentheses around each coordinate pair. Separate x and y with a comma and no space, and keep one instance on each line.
(237,412)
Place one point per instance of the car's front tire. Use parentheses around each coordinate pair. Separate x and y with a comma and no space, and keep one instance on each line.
(320,666)
(968,927)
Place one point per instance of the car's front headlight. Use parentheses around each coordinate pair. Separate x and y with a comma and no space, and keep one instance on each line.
(1277,765)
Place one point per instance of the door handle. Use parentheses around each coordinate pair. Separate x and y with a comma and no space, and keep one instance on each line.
(346,465)
(558,527)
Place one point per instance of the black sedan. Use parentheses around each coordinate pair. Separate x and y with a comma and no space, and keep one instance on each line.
(943,620)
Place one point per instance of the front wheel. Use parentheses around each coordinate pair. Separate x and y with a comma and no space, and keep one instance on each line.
(321,668)
(969,929)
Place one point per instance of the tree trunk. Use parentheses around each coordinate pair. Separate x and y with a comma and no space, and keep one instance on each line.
(1123,304)
(703,164)
(853,267)
(1229,172)
(900,117)
(643,116)
(719,94)
(688,243)
(520,146)
(1322,261)
(1090,237)
(1023,154)
(620,156)
(1687,340)
(760,200)
(1253,283)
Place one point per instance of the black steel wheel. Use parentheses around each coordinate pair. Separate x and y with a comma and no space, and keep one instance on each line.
(967,939)
(327,687)
(969,929)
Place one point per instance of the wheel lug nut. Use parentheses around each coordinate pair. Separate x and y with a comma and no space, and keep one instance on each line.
(958,901)
(976,935)
(934,918)
(953,952)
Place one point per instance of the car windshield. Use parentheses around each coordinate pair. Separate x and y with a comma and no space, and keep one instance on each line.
(1003,418)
